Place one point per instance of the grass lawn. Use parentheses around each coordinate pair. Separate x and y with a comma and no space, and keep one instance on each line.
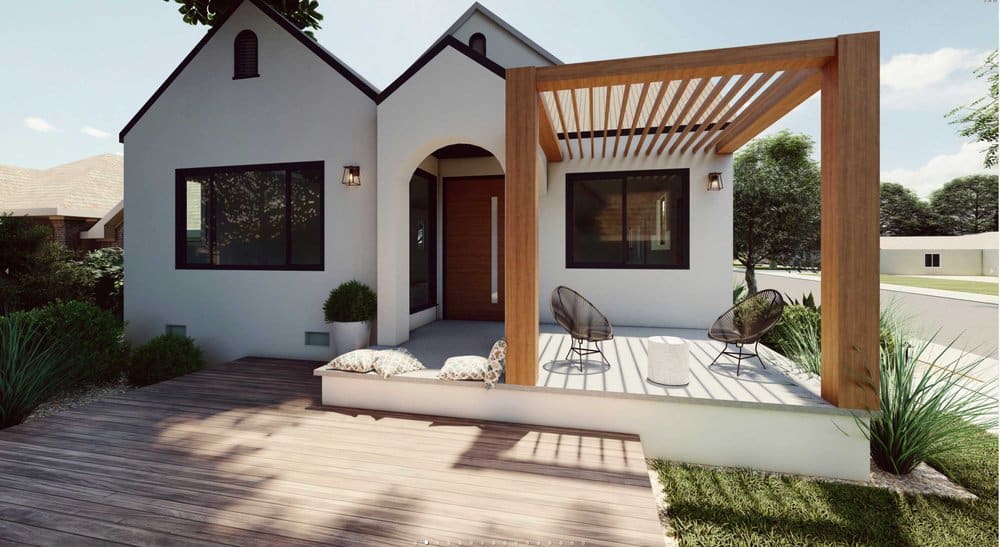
(739,507)
(978,287)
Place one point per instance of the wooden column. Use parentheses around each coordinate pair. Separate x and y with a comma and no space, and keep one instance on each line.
(521,228)
(850,223)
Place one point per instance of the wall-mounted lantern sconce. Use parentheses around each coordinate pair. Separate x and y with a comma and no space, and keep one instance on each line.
(714,182)
(352,175)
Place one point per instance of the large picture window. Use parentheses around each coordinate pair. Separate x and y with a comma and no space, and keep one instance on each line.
(632,219)
(267,217)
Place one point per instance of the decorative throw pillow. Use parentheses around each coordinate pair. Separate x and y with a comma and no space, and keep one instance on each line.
(464,367)
(389,362)
(495,363)
(359,360)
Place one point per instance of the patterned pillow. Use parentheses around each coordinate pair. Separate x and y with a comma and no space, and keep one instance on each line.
(389,362)
(359,360)
(495,363)
(464,367)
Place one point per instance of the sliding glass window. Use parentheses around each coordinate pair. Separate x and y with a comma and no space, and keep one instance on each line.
(267,217)
(633,219)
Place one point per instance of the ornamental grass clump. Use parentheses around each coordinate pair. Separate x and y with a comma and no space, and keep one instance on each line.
(32,369)
(930,405)
(164,357)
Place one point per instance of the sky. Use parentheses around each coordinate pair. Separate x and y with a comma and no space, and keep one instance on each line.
(75,71)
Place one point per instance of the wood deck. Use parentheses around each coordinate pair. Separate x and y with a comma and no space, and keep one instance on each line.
(238,454)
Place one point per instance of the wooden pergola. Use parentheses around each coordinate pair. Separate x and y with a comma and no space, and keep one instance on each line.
(697,103)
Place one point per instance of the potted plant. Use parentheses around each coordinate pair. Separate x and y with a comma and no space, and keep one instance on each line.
(350,309)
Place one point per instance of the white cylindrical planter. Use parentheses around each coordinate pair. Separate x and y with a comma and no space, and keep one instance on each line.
(667,360)
(347,337)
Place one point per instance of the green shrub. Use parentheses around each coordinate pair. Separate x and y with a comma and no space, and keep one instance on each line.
(797,321)
(31,370)
(91,338)
(106,266)
(351,301)
(927,409)
(164,357)
(739,292)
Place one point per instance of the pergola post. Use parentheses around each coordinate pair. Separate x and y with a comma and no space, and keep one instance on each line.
(521,228)
(850,219)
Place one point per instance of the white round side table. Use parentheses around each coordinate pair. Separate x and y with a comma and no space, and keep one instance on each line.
(667,360)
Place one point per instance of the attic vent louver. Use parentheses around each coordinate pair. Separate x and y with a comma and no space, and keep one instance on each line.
(245,55)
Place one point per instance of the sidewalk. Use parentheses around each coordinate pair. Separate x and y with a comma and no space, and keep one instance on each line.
(955,295)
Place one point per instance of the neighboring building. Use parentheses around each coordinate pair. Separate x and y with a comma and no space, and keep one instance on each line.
(69,199)
(973,254)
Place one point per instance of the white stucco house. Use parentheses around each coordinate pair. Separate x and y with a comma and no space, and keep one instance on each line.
(264,172)
(972,255)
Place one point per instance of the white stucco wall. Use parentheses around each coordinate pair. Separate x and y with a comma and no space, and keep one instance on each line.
(990,262)
(451,100)
(953,262)
(502,47)
(690,298)
(299,109)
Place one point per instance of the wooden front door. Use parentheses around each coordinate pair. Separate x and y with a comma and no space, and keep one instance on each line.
(473,248)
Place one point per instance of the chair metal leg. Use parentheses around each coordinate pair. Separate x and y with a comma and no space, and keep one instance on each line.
(739,358)
(756,352)
(600,349)
(724,348)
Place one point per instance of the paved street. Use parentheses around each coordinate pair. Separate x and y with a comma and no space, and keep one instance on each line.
(974,322)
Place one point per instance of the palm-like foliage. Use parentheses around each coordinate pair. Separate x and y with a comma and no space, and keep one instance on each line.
(31,369)
(928,408)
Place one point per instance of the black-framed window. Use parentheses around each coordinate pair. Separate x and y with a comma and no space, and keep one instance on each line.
(932,260)
(250,217)
(423,241)
(630,219)
(245,55)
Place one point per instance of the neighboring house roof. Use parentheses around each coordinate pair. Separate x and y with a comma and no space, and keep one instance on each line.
(111,219)
(84,188)
(330,59)
(985,240)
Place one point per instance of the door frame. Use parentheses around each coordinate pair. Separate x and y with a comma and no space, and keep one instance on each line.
(443,296)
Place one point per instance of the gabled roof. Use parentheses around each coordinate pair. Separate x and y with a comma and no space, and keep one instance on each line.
(330,59)
(84,188)
(445,41)
(477,7)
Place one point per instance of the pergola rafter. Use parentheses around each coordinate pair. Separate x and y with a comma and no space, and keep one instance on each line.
(844,68)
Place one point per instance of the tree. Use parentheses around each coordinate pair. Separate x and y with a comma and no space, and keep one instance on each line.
(301,13)
(979,118)
(902,213)
(776,203)
(967,205)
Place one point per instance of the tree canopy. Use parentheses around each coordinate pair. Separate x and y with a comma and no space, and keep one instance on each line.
(979,119)
(776,203)
(967,205)
(303,14)
(902,213)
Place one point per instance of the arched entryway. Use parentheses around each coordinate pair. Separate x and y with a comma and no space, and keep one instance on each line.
(456,236)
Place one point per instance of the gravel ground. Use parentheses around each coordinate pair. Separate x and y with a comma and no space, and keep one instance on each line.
(79,395)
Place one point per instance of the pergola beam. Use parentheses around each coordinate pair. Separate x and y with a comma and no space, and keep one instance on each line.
(521,227)
(696,64)
(849,217)
(787,92)
(547,135)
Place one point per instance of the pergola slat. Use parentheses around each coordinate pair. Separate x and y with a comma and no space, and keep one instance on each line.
(562,124)
(714,114)
(684,111)
(666,115)
(652,114)
(607,112)
(689,129)
(714,136)
(781,97)
(576,120)
(635,119)
(621,118)
(590,102)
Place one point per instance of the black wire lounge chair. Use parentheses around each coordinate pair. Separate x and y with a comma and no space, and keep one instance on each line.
(584,323)
(746,323)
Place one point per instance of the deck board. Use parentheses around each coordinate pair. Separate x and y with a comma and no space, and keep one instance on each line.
(241,454)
